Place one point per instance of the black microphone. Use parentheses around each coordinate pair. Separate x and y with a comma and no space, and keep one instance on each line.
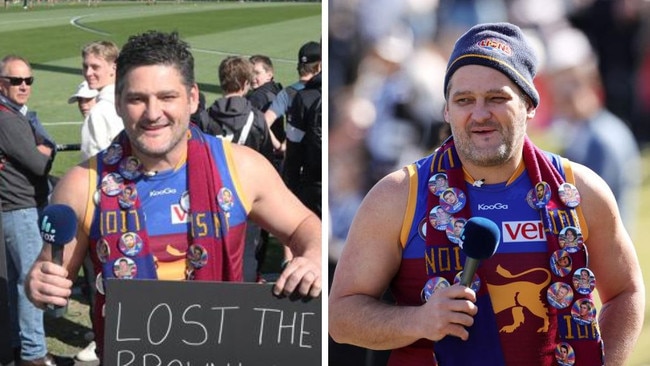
(58,227)
(480,239)
(68,147)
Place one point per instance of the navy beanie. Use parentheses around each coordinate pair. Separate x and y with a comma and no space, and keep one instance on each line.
(501,46)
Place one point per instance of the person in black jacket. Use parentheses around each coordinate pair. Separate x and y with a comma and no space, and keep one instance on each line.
(236,119)
(234,116)
(302,167)
(263,92)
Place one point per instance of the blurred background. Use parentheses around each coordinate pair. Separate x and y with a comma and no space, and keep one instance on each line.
(387,60)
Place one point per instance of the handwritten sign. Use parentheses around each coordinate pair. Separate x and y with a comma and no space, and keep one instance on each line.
(174,323)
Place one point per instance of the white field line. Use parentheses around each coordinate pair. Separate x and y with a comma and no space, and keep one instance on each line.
(75,23)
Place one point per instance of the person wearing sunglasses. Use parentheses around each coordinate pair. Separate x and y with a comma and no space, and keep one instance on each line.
(23,191)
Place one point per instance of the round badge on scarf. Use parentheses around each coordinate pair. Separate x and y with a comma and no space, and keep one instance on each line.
(583,311)
(570,239)
(422,228)
(559,295)
(128,197)
(112,184)
(561,263)
(452,200)
(103,250)
(564,354)
(455,230)
(438,183)
(439,218)
(97,195)
(569,195)
(226,199)
(431,286)
(124,268)
(130,168)
(197,255)
(99,283)
(476,281)
(185,201)
(540,195)
(130,244)
(584,281)
(113,154)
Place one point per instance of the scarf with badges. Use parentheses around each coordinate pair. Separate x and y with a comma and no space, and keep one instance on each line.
(123,251)
(570,308)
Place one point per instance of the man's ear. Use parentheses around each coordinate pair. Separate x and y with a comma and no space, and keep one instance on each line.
(531,112)
(194,98)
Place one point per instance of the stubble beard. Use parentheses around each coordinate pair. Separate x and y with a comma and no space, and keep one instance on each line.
(483,156)
(156,151)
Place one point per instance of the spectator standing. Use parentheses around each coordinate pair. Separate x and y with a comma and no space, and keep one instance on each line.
(102,123)
(23,192)
(303,163)
(263,87)
(264,92)
(239,121)
(235,117)
(86,98)
(309,64)
(590,134)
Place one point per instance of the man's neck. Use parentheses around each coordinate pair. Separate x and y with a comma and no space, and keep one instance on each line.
(234,94)
(493,174)
(152,165)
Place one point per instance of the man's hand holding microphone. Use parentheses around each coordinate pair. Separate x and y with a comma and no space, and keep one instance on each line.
(47,284)
(451,309)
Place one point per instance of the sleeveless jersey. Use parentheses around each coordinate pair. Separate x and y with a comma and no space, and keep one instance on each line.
(165,207)
(512,284)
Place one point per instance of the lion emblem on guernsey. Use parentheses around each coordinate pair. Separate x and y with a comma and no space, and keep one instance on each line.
(516,296)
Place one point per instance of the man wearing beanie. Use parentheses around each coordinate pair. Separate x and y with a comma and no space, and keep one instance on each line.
(506,316)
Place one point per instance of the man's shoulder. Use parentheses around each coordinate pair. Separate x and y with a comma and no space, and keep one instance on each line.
(7,112)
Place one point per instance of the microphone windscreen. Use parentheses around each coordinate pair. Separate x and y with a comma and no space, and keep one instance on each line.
(480,238)
(58,224)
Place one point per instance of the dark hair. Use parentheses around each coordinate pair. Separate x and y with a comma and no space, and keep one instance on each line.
(155,48)
(572,231)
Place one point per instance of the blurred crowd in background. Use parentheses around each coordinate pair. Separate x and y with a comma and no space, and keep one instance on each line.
(387,60)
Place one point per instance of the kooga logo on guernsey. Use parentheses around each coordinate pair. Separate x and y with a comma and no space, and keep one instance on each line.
(496,206)
(162,192)
(522,231)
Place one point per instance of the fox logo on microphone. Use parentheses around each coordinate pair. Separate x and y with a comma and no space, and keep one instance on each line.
(48,233)
(58,224)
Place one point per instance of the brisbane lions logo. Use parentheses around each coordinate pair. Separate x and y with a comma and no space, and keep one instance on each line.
(516,296)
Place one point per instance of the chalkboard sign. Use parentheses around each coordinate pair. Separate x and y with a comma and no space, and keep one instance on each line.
(175,323)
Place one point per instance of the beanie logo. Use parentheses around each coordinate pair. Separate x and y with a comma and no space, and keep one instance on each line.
(496,44)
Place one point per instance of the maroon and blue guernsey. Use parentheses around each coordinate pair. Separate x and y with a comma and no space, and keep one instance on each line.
(533,307)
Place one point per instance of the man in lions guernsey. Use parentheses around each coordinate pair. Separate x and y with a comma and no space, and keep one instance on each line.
(533,301)
(166,201)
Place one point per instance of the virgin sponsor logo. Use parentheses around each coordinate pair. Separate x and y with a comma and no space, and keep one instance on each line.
(522,231)
(179,216)
(496,206)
